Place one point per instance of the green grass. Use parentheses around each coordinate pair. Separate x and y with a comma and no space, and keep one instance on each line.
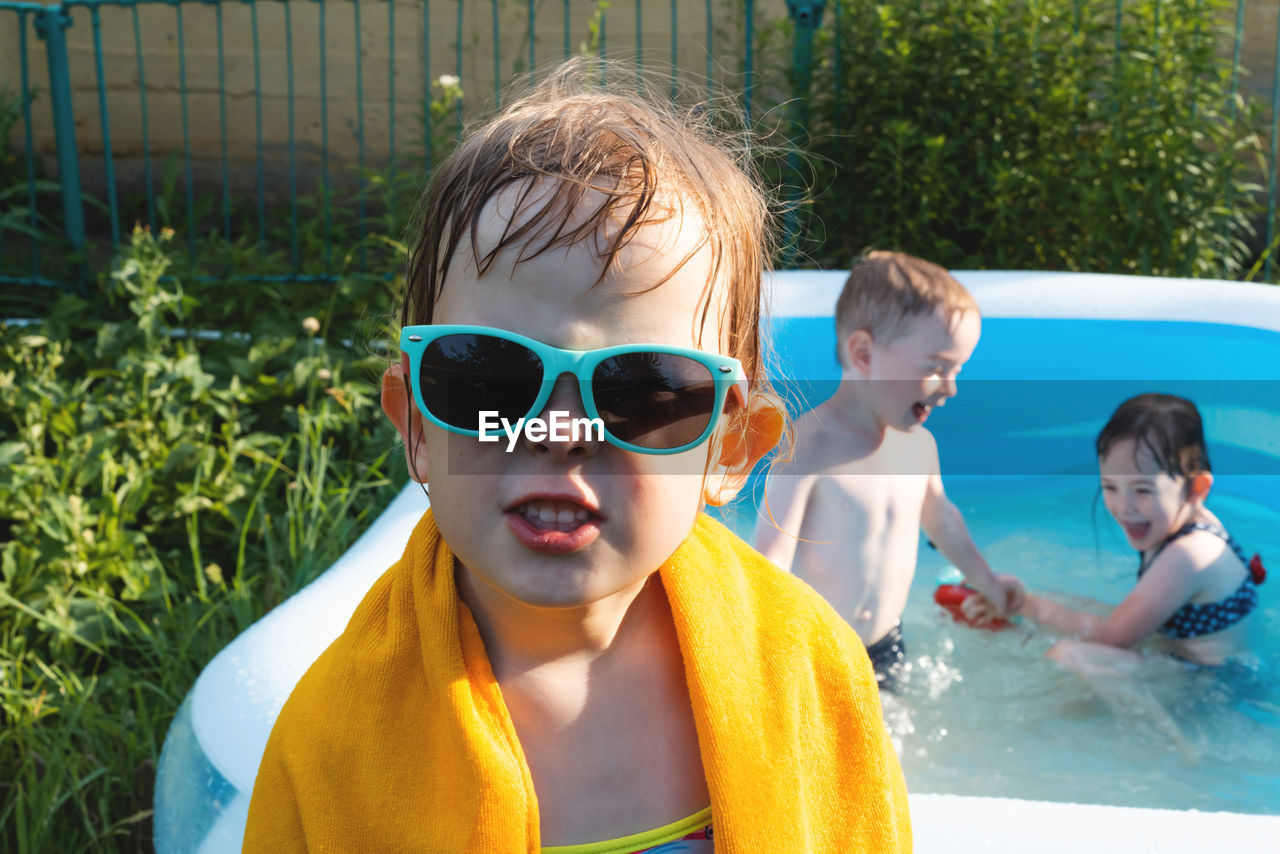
(180,451)
(158,493)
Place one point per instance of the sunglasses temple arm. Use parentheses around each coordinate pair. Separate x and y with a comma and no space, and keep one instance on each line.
(741,388)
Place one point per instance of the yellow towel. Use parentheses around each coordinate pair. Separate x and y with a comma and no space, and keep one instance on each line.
(397,738)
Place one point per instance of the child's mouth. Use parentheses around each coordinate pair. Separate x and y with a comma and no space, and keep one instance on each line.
(564,516)
(1136,530)
(553,526)
(921,411)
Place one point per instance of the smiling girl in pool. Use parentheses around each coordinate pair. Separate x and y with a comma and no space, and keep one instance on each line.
(1196,587)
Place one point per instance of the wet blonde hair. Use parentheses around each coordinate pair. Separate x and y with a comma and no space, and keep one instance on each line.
(887,290)
(589,157)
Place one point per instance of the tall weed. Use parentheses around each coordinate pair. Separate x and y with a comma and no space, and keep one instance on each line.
(160,489)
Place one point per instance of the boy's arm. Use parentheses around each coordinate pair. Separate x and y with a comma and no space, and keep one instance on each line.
(786,497)
(944,525)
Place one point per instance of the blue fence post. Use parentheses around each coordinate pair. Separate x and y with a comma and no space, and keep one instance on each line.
(51,24)
(805,15)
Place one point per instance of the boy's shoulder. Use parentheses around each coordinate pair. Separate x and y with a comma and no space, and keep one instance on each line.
(822,446)
(920,438)
(820,443)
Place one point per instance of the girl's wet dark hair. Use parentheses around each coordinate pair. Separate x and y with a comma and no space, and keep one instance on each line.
(1168,426)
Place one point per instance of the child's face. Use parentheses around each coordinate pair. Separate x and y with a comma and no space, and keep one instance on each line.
(917,371)
(1147,502)
(490,503)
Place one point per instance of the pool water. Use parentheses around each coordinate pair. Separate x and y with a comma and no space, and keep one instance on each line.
(985,713)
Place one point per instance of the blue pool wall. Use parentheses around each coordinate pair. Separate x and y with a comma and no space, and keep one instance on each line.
(1037,391)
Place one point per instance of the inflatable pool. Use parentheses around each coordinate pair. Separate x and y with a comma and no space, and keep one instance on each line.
(1059,351)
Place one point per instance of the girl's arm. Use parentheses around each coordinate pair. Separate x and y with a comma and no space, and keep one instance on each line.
(1060,618)
(1161,591)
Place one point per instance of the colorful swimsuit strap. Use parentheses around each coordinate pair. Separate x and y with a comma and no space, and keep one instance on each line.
(1144,562)
(1199,619)
(638,842)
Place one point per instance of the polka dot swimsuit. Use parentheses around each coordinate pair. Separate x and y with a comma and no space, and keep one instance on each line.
(1194,620)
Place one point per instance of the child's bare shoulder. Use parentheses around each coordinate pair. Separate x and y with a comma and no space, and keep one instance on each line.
(824,446)
(1198,552)
(921,441)
(810,452)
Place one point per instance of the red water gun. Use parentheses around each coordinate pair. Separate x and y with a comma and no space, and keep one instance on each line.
(951,596)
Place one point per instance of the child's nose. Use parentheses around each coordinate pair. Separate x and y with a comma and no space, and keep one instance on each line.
(569,435)
(944,387)
(949,386)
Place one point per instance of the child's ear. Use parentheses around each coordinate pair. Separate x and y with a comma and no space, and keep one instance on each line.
(1199,485)
(857,350)
(741,448)
(402,412)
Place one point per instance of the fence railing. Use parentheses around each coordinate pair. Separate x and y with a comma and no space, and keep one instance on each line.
(283,127)
(250,116)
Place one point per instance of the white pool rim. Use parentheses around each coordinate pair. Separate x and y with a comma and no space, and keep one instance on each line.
(1067,296)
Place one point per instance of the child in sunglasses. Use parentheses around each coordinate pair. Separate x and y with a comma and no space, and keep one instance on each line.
(570,656)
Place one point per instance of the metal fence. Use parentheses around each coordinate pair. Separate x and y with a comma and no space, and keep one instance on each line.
(213,142)
(284,127)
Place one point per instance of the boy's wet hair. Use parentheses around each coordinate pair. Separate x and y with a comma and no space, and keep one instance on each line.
(1168,426)
(586,156)
(885,291)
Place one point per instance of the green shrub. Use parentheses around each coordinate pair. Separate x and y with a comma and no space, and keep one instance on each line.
(1016,134)
(160,490)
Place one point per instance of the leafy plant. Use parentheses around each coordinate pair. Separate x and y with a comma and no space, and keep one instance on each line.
(1041,134)
(161,487)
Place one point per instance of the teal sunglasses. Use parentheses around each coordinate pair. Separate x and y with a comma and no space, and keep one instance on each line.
(650,398)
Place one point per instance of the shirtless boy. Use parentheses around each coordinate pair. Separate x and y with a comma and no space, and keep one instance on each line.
(844,513)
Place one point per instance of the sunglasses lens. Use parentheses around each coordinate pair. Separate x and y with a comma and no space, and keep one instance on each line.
(654,400)
(465,374)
